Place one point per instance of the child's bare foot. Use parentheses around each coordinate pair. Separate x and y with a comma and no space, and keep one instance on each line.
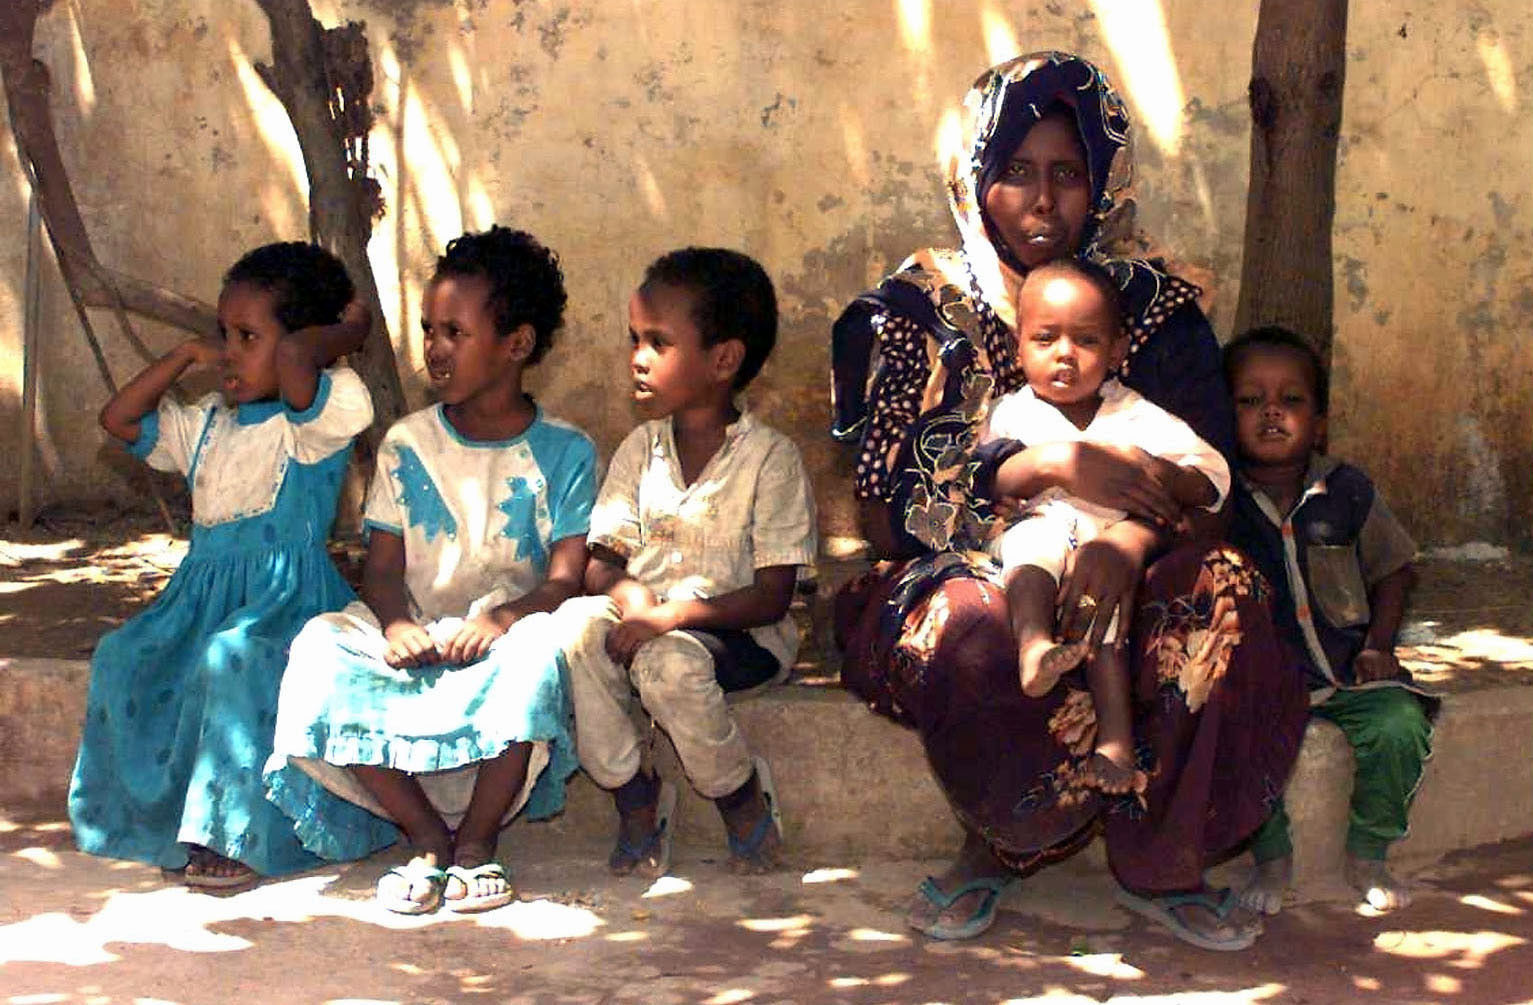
(1042,661)
(1269,883)
(1106,774)
(1372,878)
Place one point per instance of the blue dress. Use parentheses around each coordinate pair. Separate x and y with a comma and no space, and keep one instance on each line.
(183,697)
(478,520)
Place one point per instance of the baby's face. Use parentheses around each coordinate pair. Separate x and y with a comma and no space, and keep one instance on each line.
(1068,338)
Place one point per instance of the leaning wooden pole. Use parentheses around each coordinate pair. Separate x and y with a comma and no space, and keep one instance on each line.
(26,502)
(1298,71)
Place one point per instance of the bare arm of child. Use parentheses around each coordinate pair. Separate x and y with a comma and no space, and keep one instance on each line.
(763,602)
(383,590)
(1377,660)
(121,414)
(566,570)
(302,354)
(607,572)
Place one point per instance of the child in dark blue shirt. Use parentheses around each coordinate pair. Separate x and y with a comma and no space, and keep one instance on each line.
(1340,567)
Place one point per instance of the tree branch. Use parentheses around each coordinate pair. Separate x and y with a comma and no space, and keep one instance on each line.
(322,77)
(27,87)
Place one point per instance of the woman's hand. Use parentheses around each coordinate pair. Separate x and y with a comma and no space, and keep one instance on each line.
(1100,579)
(1125,478)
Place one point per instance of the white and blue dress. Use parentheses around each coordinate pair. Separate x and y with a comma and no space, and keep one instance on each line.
(183,697)
(478,520)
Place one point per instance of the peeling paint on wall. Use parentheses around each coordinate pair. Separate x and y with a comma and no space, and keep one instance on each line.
(805,136)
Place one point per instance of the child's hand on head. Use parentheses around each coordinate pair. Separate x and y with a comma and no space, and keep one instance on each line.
(357,313)
(1375,664)
(205,352)
(625,638)
(409,645)
(472,640)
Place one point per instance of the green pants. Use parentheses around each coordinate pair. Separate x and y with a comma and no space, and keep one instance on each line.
(1390,736)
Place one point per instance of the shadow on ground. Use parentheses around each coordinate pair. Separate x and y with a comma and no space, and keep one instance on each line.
(79,929)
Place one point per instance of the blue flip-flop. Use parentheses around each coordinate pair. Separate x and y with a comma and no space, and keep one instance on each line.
(1162,911)
(746,854)
(651,857)
(976,923)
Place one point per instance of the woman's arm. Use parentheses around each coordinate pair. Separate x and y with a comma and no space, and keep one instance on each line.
(121,414)
(1102,577)
(302,354)
(1124,478)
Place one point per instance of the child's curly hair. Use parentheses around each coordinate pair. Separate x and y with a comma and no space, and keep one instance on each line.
(526,284)
(311,284)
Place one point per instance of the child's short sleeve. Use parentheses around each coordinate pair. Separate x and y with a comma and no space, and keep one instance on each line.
(572,489)
(1383,545)
(341,409)
(615,517)
(782,518)
(168,436)
(383,510)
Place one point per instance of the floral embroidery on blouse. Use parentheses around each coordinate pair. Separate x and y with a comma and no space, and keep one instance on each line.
(419,496)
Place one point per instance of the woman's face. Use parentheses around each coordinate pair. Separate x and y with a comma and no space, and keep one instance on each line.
(1039,205)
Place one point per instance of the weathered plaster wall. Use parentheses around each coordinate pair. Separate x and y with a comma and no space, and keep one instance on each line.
(804,133)
(1434,284)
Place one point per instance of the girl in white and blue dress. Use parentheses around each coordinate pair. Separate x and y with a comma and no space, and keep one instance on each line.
(183,697)
(438,703)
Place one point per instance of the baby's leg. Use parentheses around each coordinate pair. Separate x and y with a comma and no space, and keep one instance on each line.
(1112,765)
(1030,596)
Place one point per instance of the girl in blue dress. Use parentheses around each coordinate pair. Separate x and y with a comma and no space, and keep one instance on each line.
(438,702)
(183,697)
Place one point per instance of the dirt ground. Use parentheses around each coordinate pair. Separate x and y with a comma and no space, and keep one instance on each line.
(78,574)
(76,929)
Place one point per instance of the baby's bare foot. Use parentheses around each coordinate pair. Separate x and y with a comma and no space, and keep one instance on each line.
(1269,882)
(1380,889)
(1043,661)
(1107,775)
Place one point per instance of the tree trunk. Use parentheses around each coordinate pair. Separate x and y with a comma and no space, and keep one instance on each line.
(1297,72)
(323,78)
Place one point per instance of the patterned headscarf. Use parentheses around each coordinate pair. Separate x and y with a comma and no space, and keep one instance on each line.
(956,308)
(1002,107)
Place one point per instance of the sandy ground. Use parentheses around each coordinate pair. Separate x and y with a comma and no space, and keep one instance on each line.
(78,929)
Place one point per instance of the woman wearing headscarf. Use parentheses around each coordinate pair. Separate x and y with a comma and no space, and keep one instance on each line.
(1219,708)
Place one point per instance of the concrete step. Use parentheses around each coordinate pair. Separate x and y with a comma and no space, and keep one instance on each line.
(854,786)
